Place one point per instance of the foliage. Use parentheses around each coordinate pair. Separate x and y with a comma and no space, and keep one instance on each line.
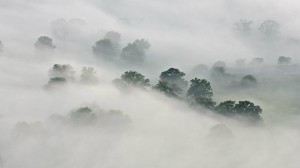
(83,115)
(226,108)
(248,109)
(88,75)
(171,90)
(282,60)
(206,102)
(248,81)
(135,52)
(104,48)
(200,88)
(44,43)
(269,28)
(174,76)
(132,78)
(62,71)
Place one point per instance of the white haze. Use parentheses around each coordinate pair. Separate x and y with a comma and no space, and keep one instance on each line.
(163,133)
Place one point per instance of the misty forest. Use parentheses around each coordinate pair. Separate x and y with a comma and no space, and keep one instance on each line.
(151,84)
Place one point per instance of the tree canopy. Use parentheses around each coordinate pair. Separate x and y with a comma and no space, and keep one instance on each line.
(133,78)
(171,90)
(88,75)
(200,88)
(44,43)
(174,76)
(135,52)
(62,71)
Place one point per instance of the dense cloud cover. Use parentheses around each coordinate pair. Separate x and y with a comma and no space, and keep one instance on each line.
(75,116)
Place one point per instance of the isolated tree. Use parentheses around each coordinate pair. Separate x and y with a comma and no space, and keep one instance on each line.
(174,76)
(135,52)
(104,48)
(226,108)
(171,90)
(282,60)
(243,27)
(88,75)
(62,71)
(269,28)
(44,43)
(206,102)
(248,109)
(249,81)
(132,78)
(200,88)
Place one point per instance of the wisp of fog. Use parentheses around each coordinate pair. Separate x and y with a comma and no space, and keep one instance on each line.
(152,84)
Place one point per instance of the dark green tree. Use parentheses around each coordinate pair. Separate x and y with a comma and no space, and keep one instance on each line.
(200,88)
(226,108)
(174,76)
(206,102)
(171,90)
(132,78)
(135,52)
(248,109)
(44,43)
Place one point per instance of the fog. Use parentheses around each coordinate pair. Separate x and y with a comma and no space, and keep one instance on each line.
(130,127)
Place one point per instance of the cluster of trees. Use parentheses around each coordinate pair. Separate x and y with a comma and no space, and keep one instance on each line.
(96,116)
(62,73)
(109,48)
(268,28)
(199,92)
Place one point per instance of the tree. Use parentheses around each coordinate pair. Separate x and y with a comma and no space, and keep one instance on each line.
(282,60)
(88,75)
(104,48)
(62,71)
(135,52)
(248,109)
(248,81)
(132,78)
(171,90)
(206,102)
(44,43)
(269,28)
(174,76)
(243,27)
(200,88)
(226,108)
(83,115)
